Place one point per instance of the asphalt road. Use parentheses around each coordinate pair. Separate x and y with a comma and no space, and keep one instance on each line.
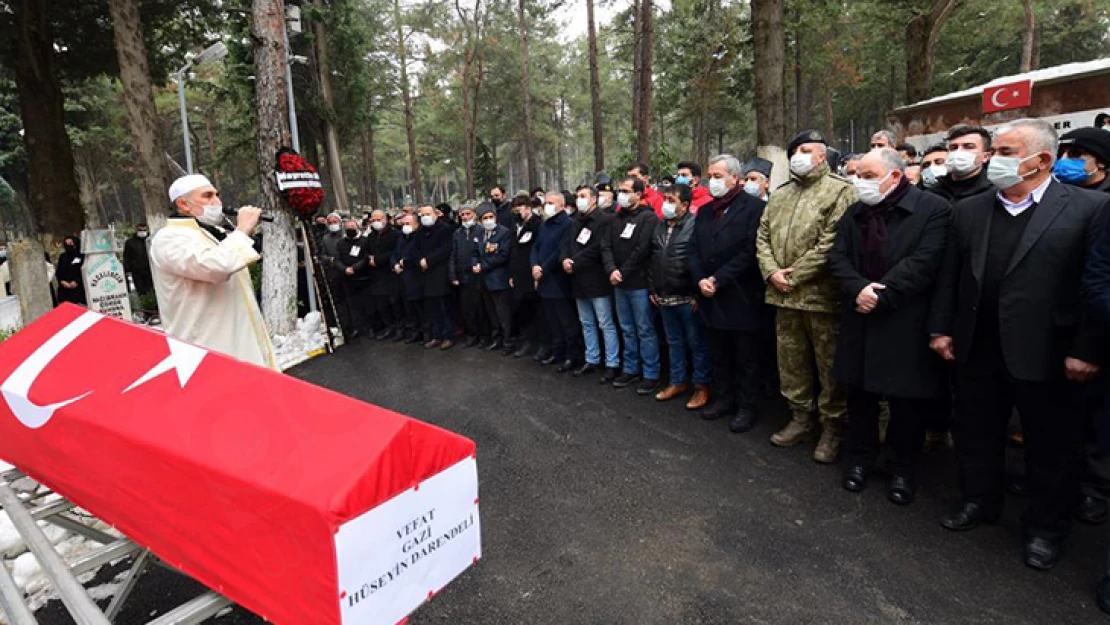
(599,506)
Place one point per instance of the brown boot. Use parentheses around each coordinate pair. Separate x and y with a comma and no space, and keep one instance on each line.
(828,448)
(672,391)
(700,398)
(797,430)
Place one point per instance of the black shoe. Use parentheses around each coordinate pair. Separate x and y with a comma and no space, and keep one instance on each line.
(548,361)
(900,490)
(855,478)
(1041,554)
(399,336)
(484,343)
(968,516)
(1092,510)
(381,336)
(353,335)
(508,350)
(1017,485)
(415,338)
(607,376)
(1102,595)
(718,410)
(543,354)
(742,422)
(523,350)
(568,365)
(494,345)
(585,369)
(471,341)
(626,379)
(649,387)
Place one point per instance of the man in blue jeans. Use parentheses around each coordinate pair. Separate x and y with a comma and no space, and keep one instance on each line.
(590,285)
(673,291)
(626,252)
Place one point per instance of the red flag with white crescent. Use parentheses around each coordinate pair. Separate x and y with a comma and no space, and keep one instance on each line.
(1014,95)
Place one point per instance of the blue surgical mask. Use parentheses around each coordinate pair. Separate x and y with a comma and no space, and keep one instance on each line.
(682,180)
(1071,171)
(669,210)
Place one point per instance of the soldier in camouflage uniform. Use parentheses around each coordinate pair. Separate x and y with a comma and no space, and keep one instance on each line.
(795,235)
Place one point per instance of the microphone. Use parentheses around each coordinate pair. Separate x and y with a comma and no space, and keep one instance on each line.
(234,212)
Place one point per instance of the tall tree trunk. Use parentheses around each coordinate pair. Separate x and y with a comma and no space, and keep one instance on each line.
(922,32)
(406,99)
(331,136)
(770,56)
(471,85)
(595,91)
(637,70)
(279,261)
(526,87)
(1029,36)
(643,136)
(138,99)
(369,166)
(84,166)
(560,127)
(797,115)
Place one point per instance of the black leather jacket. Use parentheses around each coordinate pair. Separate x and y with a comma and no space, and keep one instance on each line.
(670,269)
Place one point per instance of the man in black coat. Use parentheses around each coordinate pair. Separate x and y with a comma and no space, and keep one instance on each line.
(353,262)
(464,247)
(434,245)
(136,260)
(503,206)
(406,263)
(969,153)
(381,242)
(593,294)
(528,320)
(1008,310)
(730,285)
(887,255)
(491,265)
(553,285)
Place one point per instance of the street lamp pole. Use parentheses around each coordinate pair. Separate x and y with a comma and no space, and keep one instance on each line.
(214,52)
(294,15)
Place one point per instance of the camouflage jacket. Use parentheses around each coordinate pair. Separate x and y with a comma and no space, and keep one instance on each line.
(797,230)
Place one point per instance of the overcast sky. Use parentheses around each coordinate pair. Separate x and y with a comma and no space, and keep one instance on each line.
(573,13)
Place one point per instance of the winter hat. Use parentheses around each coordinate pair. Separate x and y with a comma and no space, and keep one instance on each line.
(1094,141)
(760,165)
(808,136)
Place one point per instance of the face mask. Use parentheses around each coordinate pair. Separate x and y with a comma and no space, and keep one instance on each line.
(962,162)
(718,187)
(682,180)
(69,246)
(853,178)
(518,217)
(932,174)
(801,164)
(469,223)
(604,202)
(142,234)
(427,221)
(869,192)
(751,187)
(377,225)
(213,215)
(334,227)
(406,229)
(351,233)
(549,210)
(3,254)
(1071,171)
(489,224)
(624,200)
(1003,171)
(669,210)
(583,204)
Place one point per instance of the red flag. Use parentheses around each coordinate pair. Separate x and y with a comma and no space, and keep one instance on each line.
(1015,95)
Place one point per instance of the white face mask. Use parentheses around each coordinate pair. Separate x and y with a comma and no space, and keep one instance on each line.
(869,192)
(213,215)
(489,224)
(377,225)
(427,220)
(142,234)
(1003,170)
(962,162)
(406,229)
(718,187)
(669,210)
(604,202)
(932,175)
(583,204)
(752,188)
(801,164)
(469,223)
(624,200)
(334,227)
(549,210)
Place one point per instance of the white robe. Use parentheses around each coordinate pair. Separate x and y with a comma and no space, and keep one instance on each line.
(204,291)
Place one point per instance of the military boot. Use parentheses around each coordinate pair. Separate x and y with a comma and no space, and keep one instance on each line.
(828,448)
(797,430)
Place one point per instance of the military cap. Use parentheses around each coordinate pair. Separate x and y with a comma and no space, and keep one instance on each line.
(808,136)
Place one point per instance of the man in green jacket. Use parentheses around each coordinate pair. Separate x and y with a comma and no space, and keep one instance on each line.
(795,235)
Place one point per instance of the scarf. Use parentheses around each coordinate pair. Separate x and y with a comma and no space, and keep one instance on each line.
(721,204)
(874,257)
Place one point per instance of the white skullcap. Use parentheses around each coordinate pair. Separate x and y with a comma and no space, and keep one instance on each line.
(187,184)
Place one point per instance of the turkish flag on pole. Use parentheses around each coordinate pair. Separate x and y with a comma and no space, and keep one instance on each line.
(1015,95)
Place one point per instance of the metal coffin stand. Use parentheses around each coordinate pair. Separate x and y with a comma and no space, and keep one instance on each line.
(26,510)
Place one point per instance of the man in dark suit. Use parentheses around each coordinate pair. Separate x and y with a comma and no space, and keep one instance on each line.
(1008,310)
(553,285)
(730,301)
(381,241)
(434,244)
(353,262)
(464,246)
(491,265)
(528,319)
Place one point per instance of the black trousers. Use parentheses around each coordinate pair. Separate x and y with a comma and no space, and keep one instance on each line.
(563,324)
(414,317)
(735,356)
(437,320)
(905,434)
(474,318)
(1053,424)
(499,312)
(357,295)
(339,296)
(386,311)
(1095,480)
(529,320)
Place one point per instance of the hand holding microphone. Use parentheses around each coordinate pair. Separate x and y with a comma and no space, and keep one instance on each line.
(247,217)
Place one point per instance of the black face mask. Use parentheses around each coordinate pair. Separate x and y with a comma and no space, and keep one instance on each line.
(517,217)
(70,247)
(351,233)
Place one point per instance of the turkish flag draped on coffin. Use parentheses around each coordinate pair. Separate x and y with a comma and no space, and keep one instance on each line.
(303,505)
(1014,95)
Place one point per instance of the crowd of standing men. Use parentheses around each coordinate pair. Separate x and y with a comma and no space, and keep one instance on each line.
(951,290)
